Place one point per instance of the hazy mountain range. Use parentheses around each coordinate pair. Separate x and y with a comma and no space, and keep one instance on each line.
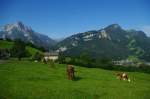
(112,42)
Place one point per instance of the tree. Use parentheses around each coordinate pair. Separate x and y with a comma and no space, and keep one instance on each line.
(61,58)
(86,60)
(19,49)
(37,56)
(4,53)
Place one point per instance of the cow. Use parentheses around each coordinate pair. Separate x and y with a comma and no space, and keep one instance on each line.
(123,76)
(70,72)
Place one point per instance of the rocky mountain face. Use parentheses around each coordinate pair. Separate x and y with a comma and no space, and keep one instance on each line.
(111,42)
(25,33)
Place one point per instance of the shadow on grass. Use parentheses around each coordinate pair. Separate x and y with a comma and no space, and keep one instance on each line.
(77,78)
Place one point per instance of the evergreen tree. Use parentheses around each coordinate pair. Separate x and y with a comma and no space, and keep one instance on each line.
(19,49)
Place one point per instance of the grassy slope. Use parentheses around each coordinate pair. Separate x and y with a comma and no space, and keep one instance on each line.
(32,51)
(6,44)
(29,80)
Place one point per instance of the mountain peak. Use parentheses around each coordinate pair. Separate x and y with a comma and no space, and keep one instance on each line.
(19,22)
(23,27)
(20,25)
(113,26)
(18,30)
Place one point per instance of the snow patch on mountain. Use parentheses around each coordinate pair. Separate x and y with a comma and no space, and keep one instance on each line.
(88,36)
(62,49)
(103,34)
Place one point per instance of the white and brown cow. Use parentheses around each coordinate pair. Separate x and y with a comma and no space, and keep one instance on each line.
(123,76)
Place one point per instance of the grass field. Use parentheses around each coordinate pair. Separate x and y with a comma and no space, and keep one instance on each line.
(30,80)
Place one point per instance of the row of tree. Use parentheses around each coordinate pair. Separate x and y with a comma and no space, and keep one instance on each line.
(88,61)
(18,50)
(85,60)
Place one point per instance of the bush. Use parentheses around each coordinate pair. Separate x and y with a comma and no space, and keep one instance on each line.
(37,56)
(19,49)
(51,64)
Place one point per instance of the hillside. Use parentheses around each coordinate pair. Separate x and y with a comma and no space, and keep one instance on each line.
(6,44)
(112,42)
(9,44)
(30,80)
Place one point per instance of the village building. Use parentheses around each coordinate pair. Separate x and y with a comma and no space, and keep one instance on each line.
(124,62)
(51,56)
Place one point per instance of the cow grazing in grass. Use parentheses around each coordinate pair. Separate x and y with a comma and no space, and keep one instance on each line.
(70,72)
(123,76)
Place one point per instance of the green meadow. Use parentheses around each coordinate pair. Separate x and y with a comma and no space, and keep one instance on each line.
(29,80)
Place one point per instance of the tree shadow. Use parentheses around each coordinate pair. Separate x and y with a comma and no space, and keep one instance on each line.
(77,78)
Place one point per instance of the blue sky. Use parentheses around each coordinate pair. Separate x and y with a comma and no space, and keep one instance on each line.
(62,18)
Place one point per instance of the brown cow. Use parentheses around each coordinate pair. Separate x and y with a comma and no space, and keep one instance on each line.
(123,76)
(70,72)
